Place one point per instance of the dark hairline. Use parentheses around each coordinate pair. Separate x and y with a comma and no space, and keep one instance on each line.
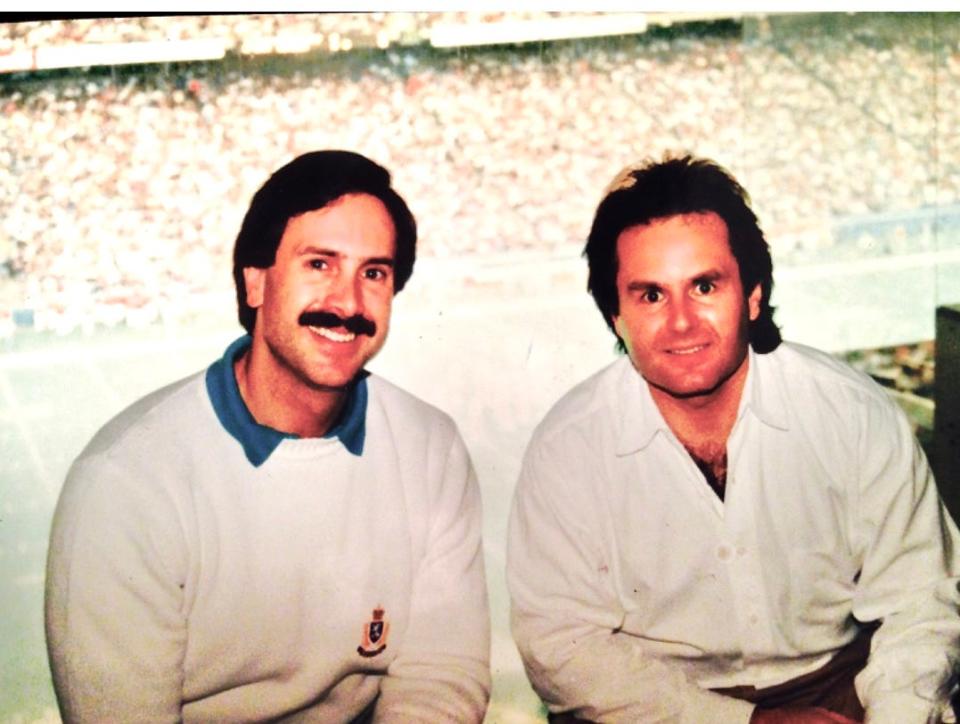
(311,182)
(673,187)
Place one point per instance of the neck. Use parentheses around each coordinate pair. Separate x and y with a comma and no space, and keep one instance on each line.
(704,419)
(276,401)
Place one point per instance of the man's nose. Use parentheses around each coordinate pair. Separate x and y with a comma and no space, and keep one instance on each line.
(682,317)
(343,296)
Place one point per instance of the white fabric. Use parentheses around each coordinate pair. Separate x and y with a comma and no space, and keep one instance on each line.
(635,588)
(183,582)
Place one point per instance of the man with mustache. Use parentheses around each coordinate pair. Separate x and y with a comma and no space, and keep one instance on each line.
(283,536)
(721,526)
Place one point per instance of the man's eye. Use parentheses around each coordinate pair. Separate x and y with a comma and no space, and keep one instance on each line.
(652,296)
(376,274)
(318,264)
(705,287)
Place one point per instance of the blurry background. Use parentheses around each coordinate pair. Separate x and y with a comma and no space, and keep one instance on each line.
(130,147)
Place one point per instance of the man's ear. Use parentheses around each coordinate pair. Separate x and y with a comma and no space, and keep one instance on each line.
(254,279)
(619,327)
(753,302)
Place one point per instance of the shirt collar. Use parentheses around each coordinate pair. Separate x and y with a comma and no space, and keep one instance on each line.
(259,441)
(764,392)
(763,395)
(640,418)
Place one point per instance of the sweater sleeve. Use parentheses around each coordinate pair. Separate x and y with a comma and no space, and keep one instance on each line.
(566,614)
(113,603)
(908,578)
(442,673)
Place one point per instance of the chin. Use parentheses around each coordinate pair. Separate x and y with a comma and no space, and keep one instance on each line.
(685,389)
(324,381)
(691,394)
(329,385)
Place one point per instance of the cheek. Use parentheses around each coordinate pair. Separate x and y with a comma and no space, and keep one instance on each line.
(378,306)
(732,322)
(278,298)
(383,316)
(641,327)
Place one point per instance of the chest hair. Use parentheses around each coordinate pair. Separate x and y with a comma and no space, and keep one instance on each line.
(711,458)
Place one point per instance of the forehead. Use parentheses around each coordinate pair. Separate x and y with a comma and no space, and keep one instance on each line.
(681,246)
(352,225)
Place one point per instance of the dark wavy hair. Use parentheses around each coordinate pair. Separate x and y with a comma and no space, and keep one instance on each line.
(674,186)
(309,182)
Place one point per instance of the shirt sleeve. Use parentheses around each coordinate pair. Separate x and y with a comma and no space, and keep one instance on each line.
(113,603)
(566,614)
(908,579)
(442,673)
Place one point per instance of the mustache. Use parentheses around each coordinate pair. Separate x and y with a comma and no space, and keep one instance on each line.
(357,323)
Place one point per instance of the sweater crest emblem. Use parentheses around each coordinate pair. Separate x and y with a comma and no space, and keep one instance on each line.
(374,639)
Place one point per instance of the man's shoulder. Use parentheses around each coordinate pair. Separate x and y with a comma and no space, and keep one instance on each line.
(167,408)
(816,386)
(396,402)
(590,403)
(804,366)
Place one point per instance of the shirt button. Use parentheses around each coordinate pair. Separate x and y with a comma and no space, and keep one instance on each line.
(724,552)
(741,551)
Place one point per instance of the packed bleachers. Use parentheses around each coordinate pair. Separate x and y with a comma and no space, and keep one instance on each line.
(253,33)
(122,191)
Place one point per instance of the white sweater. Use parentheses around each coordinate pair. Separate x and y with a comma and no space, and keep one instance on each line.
(185,582)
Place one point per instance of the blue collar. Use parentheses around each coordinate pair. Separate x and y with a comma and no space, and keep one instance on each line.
(258,440)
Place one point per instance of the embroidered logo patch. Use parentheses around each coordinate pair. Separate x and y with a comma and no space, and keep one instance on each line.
(375,632)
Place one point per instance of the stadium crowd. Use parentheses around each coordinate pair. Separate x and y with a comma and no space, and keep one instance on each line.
(122,192)
(236,30)
(293,32)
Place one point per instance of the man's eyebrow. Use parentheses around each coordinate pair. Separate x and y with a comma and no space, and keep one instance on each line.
(642,285)
(310,250)
(711,275)
(317,250)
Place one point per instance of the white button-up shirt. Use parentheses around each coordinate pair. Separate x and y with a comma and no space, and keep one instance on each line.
(635,589)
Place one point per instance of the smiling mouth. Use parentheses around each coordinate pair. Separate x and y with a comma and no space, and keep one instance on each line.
(332,334)
(687,350)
